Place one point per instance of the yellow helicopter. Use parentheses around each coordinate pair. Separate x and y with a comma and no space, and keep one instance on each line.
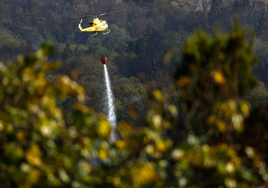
(97,25)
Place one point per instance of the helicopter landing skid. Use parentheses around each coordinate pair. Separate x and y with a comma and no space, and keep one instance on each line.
(94,34)
(107,31)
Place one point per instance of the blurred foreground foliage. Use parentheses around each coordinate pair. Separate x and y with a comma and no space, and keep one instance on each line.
(213,138)
(39,142)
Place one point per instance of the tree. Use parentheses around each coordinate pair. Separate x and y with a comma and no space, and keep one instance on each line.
(214,76)
(9,43)
(67,52)
(41,145)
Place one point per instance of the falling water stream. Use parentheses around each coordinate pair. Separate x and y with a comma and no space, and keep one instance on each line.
(110,105)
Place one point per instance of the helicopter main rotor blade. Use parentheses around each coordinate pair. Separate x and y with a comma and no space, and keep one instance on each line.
(103,14)
(78,18)
(114,12)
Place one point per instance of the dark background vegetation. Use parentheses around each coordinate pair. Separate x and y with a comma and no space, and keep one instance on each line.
(190,111)
(136,45)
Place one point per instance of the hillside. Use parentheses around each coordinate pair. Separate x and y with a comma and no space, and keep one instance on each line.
(205,5)
(138,40)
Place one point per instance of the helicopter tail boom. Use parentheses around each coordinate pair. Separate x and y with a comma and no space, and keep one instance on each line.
(88,29)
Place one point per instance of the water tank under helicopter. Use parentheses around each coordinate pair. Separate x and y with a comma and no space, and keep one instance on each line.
(104,60)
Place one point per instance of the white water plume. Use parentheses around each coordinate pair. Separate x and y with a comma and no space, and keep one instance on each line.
(110,105)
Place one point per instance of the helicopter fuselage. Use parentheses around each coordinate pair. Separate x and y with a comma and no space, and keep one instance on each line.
(96,26)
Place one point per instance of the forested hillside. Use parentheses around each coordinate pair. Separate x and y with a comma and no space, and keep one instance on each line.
(190,86)
(139,36)
(138,40)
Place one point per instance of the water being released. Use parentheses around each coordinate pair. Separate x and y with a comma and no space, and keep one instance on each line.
(110,104)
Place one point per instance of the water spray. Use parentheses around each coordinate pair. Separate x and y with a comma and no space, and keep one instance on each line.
(110,100)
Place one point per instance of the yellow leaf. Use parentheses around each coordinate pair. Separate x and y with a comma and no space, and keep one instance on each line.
(65,80)
(250,152)
(158,95)
(33,155)
(81,97)
(20,135)
(218,77)
(104,128)
(125,129)
(173,110)
(25,167)
(183,81)
(237,121)
(33,176)
(221,126)
(82,108)
(9,128)
(120,144)
(103,154)
(177,154)
(230,167)
(86,167)
(51,66)
(133,112)
(211,120)
(1,125)
(168,55)
(144,174)
(149,149)
(46,130)
(63,175)
(160,146)
(245,108)
(157,121)
(230,183)
(117,182)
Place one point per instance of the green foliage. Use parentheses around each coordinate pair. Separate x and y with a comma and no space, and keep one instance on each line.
(207,134)
(214,76)
(172,19)
(218,61)
(42,146)
(9,41)
(116,39)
